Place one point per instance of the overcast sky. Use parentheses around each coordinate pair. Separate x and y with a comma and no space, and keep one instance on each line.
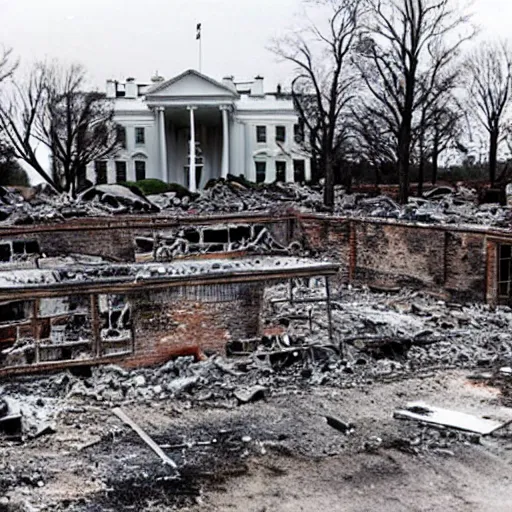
(121,38)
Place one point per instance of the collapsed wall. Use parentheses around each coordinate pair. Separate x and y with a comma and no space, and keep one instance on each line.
(143,238)
(137,314)
(459,262)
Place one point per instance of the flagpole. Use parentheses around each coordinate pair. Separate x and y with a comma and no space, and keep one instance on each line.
(200,53)
(199,36)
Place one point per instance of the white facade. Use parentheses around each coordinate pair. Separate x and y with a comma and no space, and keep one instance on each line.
(195,122)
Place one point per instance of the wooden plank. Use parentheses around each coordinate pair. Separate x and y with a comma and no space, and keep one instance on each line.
(145,437)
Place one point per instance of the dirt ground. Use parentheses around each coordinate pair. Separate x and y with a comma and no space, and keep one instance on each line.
(273,455)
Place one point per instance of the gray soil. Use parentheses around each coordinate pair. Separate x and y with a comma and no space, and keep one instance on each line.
(278,454)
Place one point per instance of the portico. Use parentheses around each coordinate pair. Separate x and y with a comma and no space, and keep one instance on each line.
(193,114)
(191,129)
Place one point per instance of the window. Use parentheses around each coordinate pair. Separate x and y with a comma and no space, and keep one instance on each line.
(101,172)
(298,133)
(280,171)
(280,133)
(299,171)
(504,271)
(261,134)
(261,172)
(140,170)
(120,172)
(140,136)
(121,136)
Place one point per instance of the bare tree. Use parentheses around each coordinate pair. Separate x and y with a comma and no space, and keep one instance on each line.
(405,41)
(489,79)
(21,105)
(445,132)
(438,119)
(7,65)
(75,125)
(323,87)
(375,138)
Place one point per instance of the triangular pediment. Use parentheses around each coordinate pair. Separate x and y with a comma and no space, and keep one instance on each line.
(191,83)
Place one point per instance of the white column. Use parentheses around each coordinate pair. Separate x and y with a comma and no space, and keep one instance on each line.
(192,169)
(163,144)
(307,171)
(290,171)
(225,141)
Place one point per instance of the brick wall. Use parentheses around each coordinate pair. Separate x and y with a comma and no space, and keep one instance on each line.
(465,269)
(331,238)
(398,255)
(166,324)
(115,239)
(455,263)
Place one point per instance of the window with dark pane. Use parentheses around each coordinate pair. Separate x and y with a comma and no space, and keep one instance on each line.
(261,172)
(101,172)
(299,171)
(280,171)
(120,172)
(298,133)
(140,135)
(261,133)
(504,270)
(140,170)
(280,133)
(121,136)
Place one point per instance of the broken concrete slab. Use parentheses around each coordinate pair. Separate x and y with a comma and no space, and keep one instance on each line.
(419,411)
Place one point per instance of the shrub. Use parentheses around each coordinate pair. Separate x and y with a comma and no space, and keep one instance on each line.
(154,186)
(147,187)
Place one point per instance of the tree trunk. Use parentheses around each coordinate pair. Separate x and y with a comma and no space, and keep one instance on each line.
(329,183)
(421,173)
(421,167)
(404,138)
(493,155)
(403,164)
(435,158)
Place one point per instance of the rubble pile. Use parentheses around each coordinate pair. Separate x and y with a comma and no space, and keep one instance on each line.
(443,205)
(376,336)
(45,206)
(386,334)
(296,393)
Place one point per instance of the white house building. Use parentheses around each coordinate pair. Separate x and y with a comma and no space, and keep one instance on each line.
(192,128)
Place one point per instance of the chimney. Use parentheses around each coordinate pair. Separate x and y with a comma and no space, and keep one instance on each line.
(131,88)
(229,81)
(111,88)
(257,87)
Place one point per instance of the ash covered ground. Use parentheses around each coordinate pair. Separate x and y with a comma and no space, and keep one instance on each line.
(304,423)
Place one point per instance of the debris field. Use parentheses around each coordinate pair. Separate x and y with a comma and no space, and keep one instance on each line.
(441,205)
(353,395)
(298,402)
